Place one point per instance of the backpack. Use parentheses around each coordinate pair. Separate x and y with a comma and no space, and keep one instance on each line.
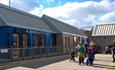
(80,49)
(91,50)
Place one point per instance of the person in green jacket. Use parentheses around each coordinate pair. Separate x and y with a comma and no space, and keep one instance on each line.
(80,49)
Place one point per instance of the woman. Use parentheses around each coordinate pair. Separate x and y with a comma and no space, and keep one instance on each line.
(91,53)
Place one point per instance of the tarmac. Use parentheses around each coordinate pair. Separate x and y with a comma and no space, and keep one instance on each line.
(102,62)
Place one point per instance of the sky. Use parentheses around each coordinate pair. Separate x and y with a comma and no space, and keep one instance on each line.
(79,13)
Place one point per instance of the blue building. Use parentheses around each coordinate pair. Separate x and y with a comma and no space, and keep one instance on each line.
(26,36)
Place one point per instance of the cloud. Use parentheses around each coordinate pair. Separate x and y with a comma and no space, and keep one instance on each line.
(6,2)
(79,14)
(108,17)
(37,11)
(82,14)
(26,5)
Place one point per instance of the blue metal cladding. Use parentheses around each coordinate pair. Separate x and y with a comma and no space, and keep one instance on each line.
(47,36)
(30,43)
(5,42)
(3,37)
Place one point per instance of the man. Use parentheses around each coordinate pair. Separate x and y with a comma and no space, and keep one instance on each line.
(113,50)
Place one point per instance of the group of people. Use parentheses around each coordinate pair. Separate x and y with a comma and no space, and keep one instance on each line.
(84,50)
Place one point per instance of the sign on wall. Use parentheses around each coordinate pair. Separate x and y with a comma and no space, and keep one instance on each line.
(3,50)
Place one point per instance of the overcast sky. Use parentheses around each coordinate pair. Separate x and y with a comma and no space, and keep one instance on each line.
(79,13)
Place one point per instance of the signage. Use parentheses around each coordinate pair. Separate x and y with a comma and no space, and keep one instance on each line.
(3,50)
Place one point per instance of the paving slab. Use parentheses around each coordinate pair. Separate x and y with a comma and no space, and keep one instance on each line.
(102,62)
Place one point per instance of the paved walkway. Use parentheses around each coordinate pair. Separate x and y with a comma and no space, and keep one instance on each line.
(102,62)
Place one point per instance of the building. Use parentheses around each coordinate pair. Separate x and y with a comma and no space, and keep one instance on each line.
(103,35)
(70,35)
(26,36)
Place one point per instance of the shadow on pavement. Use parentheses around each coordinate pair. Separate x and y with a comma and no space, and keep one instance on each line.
(99,65)
(103,60)
(36,63)
(104,66)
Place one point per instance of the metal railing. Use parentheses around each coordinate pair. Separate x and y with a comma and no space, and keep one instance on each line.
(13,54)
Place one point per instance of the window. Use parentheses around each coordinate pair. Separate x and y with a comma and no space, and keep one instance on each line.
(41,40)
(16,40)
(53,39)
(67,41)
(35,41)
(25,41)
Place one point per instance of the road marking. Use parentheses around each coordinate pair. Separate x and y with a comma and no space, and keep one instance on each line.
(110,66)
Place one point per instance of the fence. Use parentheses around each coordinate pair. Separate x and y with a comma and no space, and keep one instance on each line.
(14,54)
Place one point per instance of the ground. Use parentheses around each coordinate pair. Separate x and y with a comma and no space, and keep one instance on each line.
(102,62)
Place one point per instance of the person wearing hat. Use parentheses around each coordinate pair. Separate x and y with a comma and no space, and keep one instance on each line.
(91,54)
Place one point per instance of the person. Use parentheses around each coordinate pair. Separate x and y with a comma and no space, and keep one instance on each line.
(72,55)
(91,54)
(86,48)
(80,49)
(113,50)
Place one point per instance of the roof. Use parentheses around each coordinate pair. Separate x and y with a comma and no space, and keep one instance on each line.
(61,27)
(12,17)
(104,30)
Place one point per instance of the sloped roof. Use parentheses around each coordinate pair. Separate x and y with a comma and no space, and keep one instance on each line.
(61,27)
(17,18)
(104,30)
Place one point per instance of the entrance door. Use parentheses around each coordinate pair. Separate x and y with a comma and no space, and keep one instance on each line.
(16,45)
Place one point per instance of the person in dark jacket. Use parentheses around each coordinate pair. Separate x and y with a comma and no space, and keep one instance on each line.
(113,50)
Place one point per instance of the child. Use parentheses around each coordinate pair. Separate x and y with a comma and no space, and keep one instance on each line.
(72,55)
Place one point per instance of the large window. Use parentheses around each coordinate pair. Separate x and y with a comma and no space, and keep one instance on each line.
(67,41)
(16,40)
(35,41)
(41,40)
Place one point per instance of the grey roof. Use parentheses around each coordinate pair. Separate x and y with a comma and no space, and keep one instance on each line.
(104,30)
(12,17)
(61,27)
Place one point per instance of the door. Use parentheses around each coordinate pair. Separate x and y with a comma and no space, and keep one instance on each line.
(16,45)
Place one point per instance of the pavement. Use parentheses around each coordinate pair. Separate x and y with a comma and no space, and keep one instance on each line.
(102,62)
